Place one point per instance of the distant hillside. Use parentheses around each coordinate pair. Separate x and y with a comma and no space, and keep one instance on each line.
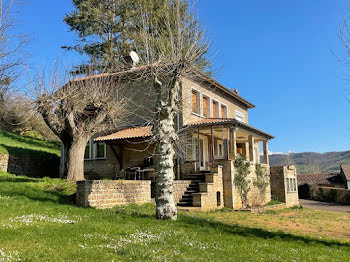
(310,162)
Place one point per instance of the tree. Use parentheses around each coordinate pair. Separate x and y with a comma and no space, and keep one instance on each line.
(109,29)
(174,49)
(12,53)
(171,44)
(76,109)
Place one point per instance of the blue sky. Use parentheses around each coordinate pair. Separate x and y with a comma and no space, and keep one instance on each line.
(275,52)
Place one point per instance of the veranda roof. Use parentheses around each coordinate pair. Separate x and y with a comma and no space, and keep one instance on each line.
(135,132)
(233,121)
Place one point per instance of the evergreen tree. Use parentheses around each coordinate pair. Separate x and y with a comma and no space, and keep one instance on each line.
(109,29)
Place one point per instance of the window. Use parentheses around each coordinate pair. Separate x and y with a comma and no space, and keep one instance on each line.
(239,116)
(196,102)
(291,185)
(87,154)
(223,111)
(95,150)
(206,106)
(100,150)
(215,109)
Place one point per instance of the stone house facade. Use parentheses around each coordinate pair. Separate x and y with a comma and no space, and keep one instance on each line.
(213,129)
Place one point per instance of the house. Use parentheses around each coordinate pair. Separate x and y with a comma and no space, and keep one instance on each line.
(329,180)
(214,130)
(345,175)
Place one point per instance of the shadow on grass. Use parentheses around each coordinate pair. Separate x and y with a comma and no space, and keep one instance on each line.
(35,192)
(238,230)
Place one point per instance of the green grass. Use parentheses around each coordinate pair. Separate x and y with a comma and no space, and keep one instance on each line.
(38,222)
(14,144)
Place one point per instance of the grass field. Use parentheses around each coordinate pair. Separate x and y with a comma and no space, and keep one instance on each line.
(38,222)
(14,144)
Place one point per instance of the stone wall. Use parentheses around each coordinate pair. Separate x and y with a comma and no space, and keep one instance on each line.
(30,165)
(211,192)
(109,193)
(232,198)
(279,190)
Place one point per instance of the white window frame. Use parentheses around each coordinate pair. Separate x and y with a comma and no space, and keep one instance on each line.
(200,102)
(239,113)
(222,104)
(212,107)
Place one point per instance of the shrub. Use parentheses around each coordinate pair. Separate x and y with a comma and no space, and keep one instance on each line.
(241,181)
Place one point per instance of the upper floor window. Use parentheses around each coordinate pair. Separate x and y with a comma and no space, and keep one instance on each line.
(206,106)
(223,111)
(215,109)
(239,116)
(196,98)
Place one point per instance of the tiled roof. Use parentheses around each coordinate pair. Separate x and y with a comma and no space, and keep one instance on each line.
(320,179)
(346,171)
(235,122)
(135,132)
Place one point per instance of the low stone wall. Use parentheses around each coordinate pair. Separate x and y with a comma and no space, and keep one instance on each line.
(330,194)
(30,165)
(109,193)
(180,186)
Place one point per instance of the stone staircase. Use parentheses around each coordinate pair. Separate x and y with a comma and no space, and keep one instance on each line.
(187,198)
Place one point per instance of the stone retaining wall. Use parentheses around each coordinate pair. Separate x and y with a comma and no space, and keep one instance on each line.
(30,165)
(109,193)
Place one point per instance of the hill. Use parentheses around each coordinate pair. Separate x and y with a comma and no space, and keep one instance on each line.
(13,144)
(310,162)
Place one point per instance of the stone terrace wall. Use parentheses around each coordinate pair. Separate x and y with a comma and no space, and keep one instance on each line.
(30,165)
(109,193)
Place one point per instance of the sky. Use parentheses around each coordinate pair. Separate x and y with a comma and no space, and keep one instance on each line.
(277,53)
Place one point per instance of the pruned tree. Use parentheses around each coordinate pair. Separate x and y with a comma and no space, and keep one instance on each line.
(174,47)
(76,109)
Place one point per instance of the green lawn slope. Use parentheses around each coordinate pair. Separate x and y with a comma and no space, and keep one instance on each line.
(14,144)
(39,222)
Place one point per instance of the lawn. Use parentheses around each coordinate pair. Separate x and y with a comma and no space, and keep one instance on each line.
(39,222)
(14,144)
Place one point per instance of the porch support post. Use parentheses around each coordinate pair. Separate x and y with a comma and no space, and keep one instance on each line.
(198,148)
(212,144)
(251,148)
(266,152)
(233,143)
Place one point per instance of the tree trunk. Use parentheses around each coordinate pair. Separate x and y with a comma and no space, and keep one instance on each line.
(75,159)
(166,137)
(65,147)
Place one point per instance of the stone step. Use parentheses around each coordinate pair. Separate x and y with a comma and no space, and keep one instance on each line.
(184,204)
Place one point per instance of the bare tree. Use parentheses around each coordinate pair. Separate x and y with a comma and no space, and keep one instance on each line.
(12,55)
(76,109)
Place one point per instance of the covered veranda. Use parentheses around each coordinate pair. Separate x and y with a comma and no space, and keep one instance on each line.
(217,139)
